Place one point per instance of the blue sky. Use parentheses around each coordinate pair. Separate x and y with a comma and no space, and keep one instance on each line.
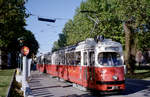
(45,32)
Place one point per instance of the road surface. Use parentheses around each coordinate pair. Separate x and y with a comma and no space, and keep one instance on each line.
(42,85)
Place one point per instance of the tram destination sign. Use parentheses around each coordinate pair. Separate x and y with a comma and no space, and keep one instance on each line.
(112,48)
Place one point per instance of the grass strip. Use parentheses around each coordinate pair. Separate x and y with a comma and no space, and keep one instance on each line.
(139,74)
(5,80)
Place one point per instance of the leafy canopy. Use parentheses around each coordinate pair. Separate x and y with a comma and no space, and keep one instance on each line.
(12,23)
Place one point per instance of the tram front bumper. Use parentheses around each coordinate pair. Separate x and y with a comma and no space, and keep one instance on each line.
(110,86)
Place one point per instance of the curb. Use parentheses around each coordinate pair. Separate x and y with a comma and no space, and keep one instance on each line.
(12,79)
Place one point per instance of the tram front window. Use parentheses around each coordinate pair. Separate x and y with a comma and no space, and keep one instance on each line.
(109,59)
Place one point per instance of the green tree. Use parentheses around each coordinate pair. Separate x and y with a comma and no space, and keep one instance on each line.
(12,26)
(136,15)
(12,19)
(62,40)
(83,26)
(55,46)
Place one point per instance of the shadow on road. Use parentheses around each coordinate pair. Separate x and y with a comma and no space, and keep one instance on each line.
(40,89)
(134,86)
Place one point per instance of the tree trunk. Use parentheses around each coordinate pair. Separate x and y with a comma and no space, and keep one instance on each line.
(128,60)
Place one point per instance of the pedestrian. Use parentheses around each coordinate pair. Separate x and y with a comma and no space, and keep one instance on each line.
(33,65)
(139,58)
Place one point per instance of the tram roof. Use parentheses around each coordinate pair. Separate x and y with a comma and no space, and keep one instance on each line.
(89,43)
(108,42)
(107,45)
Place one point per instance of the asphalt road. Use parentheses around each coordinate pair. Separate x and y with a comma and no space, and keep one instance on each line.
(42,85)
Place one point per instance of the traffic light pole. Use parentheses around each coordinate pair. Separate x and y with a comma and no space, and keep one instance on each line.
(25,72)
(24,75)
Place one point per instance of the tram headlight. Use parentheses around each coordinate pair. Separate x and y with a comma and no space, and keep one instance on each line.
(103,71)
(115,77)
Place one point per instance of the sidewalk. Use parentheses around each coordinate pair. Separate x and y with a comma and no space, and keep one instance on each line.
(28,90)
(42,85)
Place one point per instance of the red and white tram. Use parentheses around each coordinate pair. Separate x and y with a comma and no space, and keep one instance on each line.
(91,64)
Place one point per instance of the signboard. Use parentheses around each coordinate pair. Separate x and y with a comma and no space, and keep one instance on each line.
(25,50)
(112,48)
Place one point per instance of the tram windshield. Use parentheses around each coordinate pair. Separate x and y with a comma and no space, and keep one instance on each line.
(109,59)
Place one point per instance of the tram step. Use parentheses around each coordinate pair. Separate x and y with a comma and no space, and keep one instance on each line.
(79,87)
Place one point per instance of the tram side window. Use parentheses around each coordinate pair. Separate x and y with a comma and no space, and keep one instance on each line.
(92,58)
(45,59)
(77,58)
(67,56)
(48,60)
(57,59)
(70,58)
(71,61)
(73,58)
(41,62)
(85,58)
(61,59)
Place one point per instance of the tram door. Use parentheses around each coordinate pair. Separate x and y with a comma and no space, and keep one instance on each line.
(91,69)
(88,69)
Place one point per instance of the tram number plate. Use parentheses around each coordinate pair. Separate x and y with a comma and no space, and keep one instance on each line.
(115,87)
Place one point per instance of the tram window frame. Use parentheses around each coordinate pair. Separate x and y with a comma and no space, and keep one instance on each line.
(77,58)
(73,58)
(70,58)
(85,58)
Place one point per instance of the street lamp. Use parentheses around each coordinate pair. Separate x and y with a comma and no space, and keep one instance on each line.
(20,41)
